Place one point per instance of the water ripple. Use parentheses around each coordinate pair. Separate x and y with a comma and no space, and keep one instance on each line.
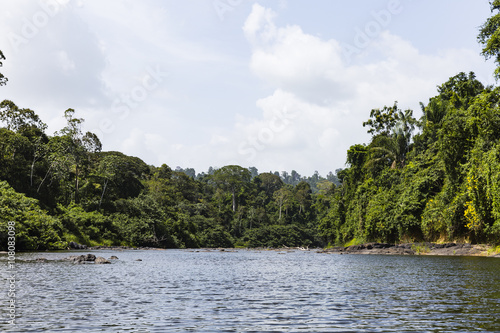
(250,291)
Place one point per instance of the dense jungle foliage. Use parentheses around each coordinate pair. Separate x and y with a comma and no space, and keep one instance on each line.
(436,178)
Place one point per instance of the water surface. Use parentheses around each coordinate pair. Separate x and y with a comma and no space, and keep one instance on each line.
(252,291)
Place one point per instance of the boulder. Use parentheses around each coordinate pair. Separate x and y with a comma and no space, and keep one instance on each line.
(81,259)
(101,260)
(76,246)
(76,259)
(90,257)
(113,257)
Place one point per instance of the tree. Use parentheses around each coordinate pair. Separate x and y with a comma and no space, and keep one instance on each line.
(27,123)
(303,196)
(80,145)
(19,120)
(489,36)
(3,79)
(107,170)
(460,90)
(270,183)
(356,156)
(14,158)
(253,171)
(456,135)
(392,129)
(283,198)
(295,177)
(332,178)
(391,149)
(383,121)
(190,172)
(232,178)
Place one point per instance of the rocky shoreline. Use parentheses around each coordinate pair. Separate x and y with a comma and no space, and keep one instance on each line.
(433,249)
(76,246)
(445,249)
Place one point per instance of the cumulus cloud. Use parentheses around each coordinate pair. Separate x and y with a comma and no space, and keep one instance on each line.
(292,102)
(329,97)
(290,59)
(54,61)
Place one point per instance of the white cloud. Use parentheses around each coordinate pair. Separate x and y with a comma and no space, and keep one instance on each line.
(67,65)
(259,24)
(330,98)
(273,94)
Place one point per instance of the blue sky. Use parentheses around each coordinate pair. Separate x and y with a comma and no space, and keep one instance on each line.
(278,84)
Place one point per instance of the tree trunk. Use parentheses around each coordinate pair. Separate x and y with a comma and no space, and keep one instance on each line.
(76,184)
(102,194)
(31,173)
(234,201)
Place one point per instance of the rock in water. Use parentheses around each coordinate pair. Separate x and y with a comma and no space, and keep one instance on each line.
(90,257)
(101,260)
(77,259)
(81,259)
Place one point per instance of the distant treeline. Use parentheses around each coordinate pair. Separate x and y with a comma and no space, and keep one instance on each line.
(293,178)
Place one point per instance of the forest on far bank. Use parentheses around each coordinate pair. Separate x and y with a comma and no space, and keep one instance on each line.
(436,178)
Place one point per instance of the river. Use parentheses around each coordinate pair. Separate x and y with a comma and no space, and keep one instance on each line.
(252,291)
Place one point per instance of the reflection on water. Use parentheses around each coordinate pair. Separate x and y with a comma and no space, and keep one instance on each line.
(252,291)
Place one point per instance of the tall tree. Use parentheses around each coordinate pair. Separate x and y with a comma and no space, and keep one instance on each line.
(283,198)
(107,170)
(303,196)
(232,178)
(270,183)
(80,145)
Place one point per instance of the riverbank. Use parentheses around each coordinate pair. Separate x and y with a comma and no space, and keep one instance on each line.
(445,249)
(433,249)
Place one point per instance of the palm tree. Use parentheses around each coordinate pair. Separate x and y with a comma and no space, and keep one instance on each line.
(391,148)
(392,143)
